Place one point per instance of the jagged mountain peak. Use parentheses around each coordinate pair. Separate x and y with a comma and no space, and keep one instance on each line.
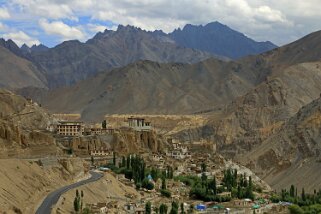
(11,46)
(39,47)
(25,49)
(219,39)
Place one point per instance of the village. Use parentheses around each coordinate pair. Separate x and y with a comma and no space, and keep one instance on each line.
(187,177)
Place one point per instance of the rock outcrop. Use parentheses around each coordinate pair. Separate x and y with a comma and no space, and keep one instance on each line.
(23,128)
(292,155)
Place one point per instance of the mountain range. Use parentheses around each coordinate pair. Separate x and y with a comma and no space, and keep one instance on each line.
(73,61)
(144,86)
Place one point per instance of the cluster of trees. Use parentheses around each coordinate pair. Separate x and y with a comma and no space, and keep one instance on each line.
(163,208)
(238,185)
(134,168)
(303,202)
(208,190)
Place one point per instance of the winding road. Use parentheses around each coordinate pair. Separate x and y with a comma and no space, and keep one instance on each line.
(53,197)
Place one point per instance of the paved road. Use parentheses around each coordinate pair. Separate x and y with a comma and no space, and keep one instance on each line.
(53,197)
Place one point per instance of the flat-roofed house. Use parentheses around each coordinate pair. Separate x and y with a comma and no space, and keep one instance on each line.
(70,128)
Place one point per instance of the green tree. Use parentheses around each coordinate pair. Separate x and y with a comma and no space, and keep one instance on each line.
(163,187)
(123,162)
(234,178)
(77,202)
(114,158)
(239,192)
(81,202)
(104,124)
(295,209)
(92,160)
(76,205)
(203,167)
(182,208)
(174,209)
(303,195)
(148,208)
(128,162)
(155,174)
(249,189)
(204,179)
(213,185)
(292,191)
(163,209)
(170,173)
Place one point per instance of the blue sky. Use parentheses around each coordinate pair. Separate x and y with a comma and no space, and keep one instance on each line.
(53,21)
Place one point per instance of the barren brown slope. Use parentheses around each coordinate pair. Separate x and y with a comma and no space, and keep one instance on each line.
(293,154)
(73,61)
(22,128)
(149,87)
(306,49)
(16,72)
(251,118)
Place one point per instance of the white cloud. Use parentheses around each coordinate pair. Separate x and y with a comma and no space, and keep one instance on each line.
(62,30)
(276,20)
(96,28)
(46,8)
(21,38)
(265,13)
(4,13)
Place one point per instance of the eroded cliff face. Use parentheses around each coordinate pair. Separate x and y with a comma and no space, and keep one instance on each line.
(23,128)
(293,154)
(134,142)
(124,141)
(16,142)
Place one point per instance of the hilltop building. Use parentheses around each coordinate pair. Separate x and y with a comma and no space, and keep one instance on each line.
(139,124)
(69,128)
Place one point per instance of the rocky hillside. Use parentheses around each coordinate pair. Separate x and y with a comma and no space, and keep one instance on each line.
(219,39)
(292,155)
(254,116)
(250,119)
(149,87)
(72,61)
(158,88)
(22,128)
(16,72)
